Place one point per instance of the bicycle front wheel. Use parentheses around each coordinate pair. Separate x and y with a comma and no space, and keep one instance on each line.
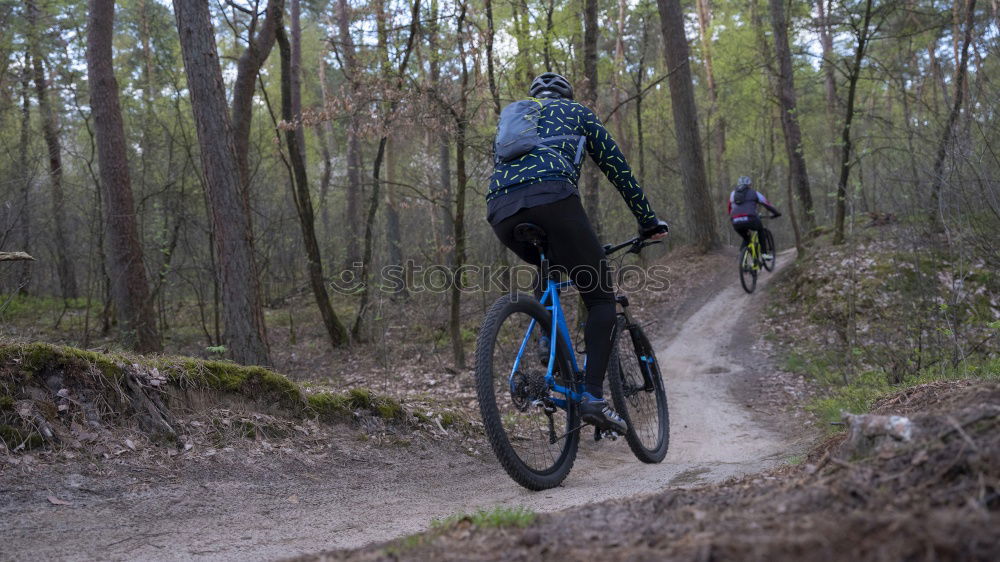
(638,392)
(768,244)
(533,433)
(748,275)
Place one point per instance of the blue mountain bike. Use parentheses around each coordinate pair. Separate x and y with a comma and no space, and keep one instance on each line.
(529,398)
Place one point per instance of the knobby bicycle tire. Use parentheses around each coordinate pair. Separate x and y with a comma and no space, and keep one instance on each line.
(768,247)
(494,360)
(748,277)
(638,392)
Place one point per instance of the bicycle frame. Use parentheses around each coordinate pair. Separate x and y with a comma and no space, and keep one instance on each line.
(558,329)
(755,249)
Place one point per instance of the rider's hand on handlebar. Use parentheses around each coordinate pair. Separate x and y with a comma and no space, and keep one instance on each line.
(655,232)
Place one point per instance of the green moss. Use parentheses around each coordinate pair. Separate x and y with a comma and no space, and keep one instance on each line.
(31,357)
(390,410)
(329,407)
(360,398)
(256,383)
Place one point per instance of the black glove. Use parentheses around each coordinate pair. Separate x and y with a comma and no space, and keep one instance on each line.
(660,226)
(775,215)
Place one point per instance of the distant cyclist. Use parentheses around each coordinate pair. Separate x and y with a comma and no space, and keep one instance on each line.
(537,161)
(742,208)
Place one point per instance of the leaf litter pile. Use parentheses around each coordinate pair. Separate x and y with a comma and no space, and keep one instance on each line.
(931,492)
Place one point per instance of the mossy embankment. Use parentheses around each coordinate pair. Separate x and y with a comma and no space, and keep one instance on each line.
(51,394)
(889,309)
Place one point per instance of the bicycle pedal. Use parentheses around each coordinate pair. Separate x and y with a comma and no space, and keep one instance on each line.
(600,434)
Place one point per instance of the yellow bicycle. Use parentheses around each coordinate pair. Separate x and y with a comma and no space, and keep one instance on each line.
(755,255)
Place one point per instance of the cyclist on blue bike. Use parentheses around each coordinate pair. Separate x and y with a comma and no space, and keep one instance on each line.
(742,208)
(537,161)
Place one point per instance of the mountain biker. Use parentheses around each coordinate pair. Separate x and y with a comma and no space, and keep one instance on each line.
(742,208)
(540,187)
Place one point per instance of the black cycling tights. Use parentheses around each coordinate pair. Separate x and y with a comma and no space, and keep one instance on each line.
(573,247)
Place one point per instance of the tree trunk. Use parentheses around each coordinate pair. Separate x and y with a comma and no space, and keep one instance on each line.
(829,81)
(523,69)
(24,216)
(494,93)
(845,159)
(393,234)
(247,67)
(938,74)
(236,266)
(129,286)
(717,123)
(291,112)
(591,183)
(789,115)
(50,131)
(445,249)
(324,133)
(457,346)
(696,192)
(353,142)
(389,110)
(639,74)
(956,109)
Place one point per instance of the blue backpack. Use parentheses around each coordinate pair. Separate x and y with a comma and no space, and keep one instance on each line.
(517,132)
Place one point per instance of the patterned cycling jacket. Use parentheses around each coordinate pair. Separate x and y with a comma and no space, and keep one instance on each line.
(555,163)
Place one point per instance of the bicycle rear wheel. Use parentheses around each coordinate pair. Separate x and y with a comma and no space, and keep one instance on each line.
(534,437)
(748,275)
(767,243)
(638,392)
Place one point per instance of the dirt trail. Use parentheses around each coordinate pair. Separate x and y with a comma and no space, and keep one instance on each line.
(271,514)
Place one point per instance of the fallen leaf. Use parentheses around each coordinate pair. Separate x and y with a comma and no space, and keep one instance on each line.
(130,444)
(56,501)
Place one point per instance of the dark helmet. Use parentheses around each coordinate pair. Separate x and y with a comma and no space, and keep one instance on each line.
(550,85)
(744,181)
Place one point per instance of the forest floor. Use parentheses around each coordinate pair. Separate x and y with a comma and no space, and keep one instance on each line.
(732,412)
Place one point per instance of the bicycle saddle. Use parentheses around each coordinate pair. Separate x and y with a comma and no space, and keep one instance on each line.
(530,233)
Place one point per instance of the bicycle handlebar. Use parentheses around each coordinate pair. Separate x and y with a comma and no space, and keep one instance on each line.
(635,245)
